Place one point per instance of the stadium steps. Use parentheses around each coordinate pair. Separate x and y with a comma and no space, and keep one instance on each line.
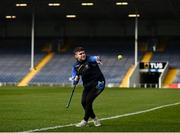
(147,57)
(28,77)
(124,82)
(170,77)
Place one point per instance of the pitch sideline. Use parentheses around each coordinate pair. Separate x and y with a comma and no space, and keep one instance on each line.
(108,118)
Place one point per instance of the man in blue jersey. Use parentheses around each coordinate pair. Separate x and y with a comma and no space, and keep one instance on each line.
(93,82)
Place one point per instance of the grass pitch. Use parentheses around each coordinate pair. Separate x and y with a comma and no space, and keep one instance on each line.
(29,108)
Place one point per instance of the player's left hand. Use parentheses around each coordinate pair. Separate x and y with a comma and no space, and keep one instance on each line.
(98,60)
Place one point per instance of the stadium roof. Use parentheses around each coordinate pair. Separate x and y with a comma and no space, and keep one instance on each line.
(101,9)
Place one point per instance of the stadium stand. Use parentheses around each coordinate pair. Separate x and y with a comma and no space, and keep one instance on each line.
(15,60)
(58,70)
(171,54)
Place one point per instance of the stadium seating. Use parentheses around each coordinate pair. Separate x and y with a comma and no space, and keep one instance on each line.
(15,66)
(177,80)
(171,55)
(15,57)
(58,70)
(15,62)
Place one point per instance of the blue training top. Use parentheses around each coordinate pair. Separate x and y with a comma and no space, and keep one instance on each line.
(88,70)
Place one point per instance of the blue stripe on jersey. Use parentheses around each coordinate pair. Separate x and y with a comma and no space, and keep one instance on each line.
(92,59)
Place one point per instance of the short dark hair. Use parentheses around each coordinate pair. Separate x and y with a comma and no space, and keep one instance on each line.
(78,49)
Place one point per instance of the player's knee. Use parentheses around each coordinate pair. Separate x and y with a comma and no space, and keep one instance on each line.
(89,105)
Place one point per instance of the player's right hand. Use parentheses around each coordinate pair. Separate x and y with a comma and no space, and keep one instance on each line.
(76,80)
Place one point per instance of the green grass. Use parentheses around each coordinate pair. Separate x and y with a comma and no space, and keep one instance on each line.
(29,108)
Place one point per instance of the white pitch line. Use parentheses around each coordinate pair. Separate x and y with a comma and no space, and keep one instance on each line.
(108,118)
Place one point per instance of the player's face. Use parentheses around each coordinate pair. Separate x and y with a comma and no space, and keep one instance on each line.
(80,55)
